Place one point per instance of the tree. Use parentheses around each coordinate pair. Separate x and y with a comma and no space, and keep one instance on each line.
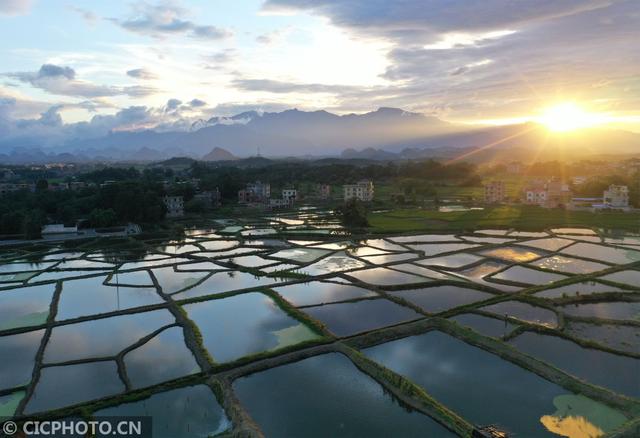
(194,206)
(11,222)
(32,224)
(102,218)
(42,185)
(353,214)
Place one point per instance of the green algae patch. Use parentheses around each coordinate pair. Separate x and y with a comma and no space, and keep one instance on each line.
(294,335)
(579,416)
(32,319)
(9,403)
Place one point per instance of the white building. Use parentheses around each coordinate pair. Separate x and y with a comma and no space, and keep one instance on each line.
(290,195)
(616,197)
(175,206)
(58,229)
(260,190)
(362,191)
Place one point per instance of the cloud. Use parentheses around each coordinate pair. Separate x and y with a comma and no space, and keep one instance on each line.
(62,81)
(273,36)
(15,7)
(274,86)
(53,71)
(197,103)
(411,18)
(165,19)
(478,58)
(172,105)
(141,73)
(86,14)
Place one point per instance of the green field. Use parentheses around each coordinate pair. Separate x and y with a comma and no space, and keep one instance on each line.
(520,217)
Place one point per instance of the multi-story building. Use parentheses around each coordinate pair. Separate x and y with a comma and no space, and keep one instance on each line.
(323,191)
(549,194)
(174,205)
(275,203)
(514,167)
(534,195)
(290,195)
(558,194)
(209,198)
(256,192)
(260,190)
(494,192)
(362,191)
(616,197)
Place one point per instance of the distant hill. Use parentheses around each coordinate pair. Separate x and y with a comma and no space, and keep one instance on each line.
(219,154)
(384,134)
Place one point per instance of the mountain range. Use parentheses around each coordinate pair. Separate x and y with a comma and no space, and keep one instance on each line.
(384,134)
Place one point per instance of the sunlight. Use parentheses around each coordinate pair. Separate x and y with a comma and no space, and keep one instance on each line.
(568,116)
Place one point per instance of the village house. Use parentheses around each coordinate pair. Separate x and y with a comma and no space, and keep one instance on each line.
(362,191)
(550,194)
(494,192)
(256,192)
(290,195)
(174,205)
(558,194)
(323,191)
(209,198)
(616,197)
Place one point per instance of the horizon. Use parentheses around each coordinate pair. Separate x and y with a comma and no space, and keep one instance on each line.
(163,65)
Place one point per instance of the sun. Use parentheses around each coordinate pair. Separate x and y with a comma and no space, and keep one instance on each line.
(567,116)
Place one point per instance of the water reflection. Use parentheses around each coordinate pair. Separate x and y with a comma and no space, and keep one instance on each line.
(618,373)
(102,337)
(240,325)
(191,412)
(164,357)
(346,319)
(25,306)
(89,296)
(67,385)
(318,292)
(441,298)
(18,353)
(483,388)
(327,396)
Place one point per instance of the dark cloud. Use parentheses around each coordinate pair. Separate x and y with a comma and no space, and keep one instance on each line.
(481,58)
(167,18)
(52,71)
(62,81)
(141,73)
(173,104)
(197,103)
(432,17)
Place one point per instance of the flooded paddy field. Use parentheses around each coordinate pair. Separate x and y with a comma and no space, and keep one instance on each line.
(290,326)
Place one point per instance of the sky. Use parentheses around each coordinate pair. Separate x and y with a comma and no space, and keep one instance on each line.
(82,68)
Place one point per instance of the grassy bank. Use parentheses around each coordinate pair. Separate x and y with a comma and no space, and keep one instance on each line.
(520,217)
